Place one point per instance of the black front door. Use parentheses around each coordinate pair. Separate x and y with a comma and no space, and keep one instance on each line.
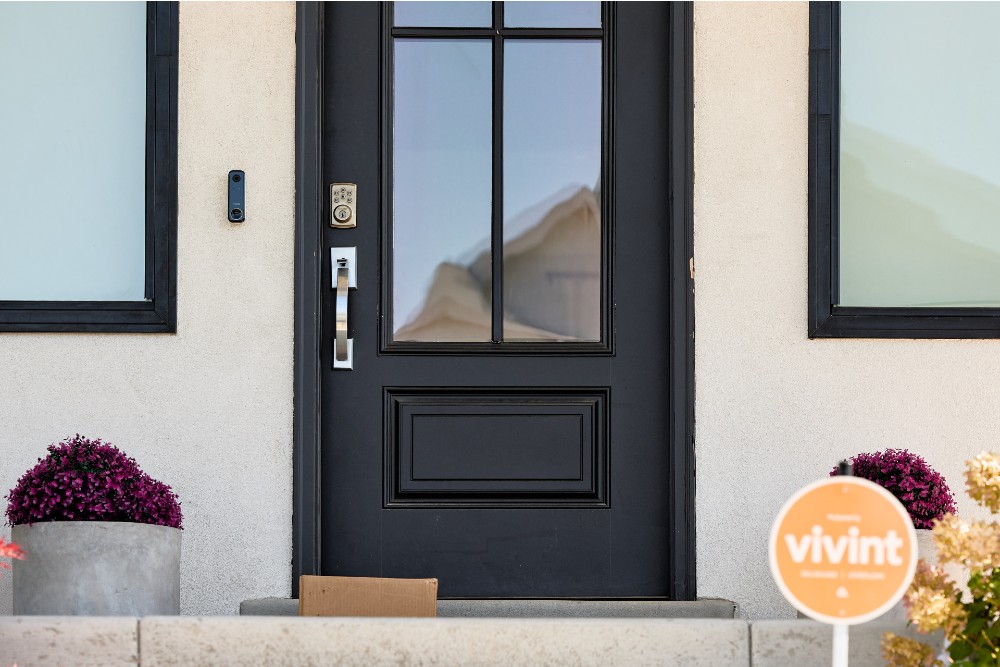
(506,421)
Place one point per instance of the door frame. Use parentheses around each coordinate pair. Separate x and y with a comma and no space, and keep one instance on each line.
(307,380)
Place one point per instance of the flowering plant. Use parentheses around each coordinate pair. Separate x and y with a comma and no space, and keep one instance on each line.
(971,624)
(90,480)
(9,550)
(922,490)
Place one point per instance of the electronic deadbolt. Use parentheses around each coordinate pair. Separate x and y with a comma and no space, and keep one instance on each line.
(343,205)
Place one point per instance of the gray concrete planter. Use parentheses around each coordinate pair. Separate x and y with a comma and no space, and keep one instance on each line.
(97,568)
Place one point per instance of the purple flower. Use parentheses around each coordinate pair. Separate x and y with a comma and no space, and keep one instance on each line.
(922,490)
(90,480)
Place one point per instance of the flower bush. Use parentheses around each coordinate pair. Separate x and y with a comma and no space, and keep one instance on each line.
(922,490)
(971,623)
(90,480)
(9,550)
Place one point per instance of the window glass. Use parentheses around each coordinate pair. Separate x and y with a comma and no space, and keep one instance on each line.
(72,151)
(919,140)
(442,189)
(552,174)
(533,14)
(479,177)
(443,14)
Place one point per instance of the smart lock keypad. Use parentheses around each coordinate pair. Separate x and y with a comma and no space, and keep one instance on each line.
(343,203)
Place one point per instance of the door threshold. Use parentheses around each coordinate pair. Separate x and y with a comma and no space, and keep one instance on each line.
(537,608)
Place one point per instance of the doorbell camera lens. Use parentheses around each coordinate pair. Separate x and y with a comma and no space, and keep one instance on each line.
(236,178)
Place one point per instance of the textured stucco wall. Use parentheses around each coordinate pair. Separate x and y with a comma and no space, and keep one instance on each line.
(774,409)
(208,410)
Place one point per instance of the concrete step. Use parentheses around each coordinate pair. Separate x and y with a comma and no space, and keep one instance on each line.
(444,642)
(220,641)
(703,608)
(796,643)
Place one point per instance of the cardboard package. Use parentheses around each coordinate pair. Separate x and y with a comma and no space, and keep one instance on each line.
(367,596)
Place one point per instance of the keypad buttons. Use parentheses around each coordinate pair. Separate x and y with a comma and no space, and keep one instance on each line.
(343,212)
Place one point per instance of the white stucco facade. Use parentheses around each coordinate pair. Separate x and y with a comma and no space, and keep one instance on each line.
(209,410)
(773,409)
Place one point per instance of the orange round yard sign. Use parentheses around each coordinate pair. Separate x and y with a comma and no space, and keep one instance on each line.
(843,550)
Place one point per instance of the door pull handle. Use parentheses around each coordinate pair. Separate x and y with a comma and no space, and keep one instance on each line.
(344,278)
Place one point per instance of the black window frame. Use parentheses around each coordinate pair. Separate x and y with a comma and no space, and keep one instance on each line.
(158,312)
(826,319)
(498,34)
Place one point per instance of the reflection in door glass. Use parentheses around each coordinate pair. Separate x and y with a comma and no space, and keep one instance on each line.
(442,188)
(444,14)
(552,14)
(552,171)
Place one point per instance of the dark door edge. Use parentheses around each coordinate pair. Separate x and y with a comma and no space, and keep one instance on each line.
(682,554)
(306,505)
(307,378)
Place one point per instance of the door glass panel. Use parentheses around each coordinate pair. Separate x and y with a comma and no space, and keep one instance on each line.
(442,190)
(552,14)
(919,175)
(552,173)
(72,151)
(444,14)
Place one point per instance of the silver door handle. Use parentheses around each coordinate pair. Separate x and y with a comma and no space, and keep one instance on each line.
(344,262)
(341,344)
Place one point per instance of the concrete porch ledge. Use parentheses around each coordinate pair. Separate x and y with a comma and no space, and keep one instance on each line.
(704,608)
(91,641)
(467,642)
(224,641)
(794,643)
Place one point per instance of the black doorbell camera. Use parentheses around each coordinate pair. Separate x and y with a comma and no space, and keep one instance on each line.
(237,196)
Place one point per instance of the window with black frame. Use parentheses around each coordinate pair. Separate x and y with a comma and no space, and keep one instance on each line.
(496,125)
(88,174)
(904,219)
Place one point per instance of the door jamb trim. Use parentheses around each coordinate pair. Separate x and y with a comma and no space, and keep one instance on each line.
(682,555)
(307,381)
